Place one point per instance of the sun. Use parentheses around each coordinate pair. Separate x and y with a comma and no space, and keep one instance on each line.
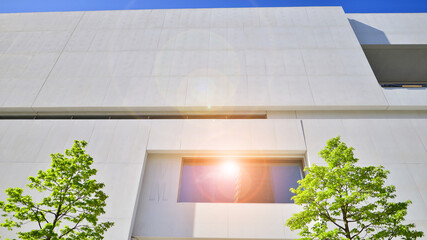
(230,168)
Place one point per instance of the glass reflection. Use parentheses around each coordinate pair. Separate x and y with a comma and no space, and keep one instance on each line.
(238,181)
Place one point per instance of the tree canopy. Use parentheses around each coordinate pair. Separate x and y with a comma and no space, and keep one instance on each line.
(73,203)
(346,201)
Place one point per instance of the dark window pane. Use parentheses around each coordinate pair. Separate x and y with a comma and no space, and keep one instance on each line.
(252,182)
(285,178)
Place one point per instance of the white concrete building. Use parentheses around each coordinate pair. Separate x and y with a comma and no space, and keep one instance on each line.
(270,84)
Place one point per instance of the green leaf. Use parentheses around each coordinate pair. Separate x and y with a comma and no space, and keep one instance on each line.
(73,203)
(345,201)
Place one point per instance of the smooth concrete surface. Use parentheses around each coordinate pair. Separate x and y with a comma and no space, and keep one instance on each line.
(375,140)
(22,22)
(397,144)
(273,136)
(119,148)
(389,28)
(401,33)
(30,45)
(398,64)
(302,67)
(185,60)
(22,76)
(160,215)
(389,114)
(118,156)
(406,98)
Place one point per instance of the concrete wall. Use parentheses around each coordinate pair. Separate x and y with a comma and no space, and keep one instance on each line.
(198,59)
(117,147)
(389,28)
(396,29)
(306,61)
(120,147)
(159,213)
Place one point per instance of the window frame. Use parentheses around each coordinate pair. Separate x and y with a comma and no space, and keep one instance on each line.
(299,161)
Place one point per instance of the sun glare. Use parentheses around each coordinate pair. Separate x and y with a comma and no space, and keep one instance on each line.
(230,168)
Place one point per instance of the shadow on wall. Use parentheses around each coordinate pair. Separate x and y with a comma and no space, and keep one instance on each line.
(159,214)
(367,34)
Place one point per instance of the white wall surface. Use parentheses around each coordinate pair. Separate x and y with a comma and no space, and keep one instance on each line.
(206,60)
(188,59)
(394,28)
(30,44)
(406,98)
(160,215)
(400,145)
(389,28)
(119,148)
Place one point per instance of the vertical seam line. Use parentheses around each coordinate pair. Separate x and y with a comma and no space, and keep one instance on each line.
(56,61)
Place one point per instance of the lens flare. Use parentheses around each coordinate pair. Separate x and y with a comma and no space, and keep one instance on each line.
(230,168)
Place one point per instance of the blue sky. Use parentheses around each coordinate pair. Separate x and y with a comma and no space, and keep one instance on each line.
(350,6)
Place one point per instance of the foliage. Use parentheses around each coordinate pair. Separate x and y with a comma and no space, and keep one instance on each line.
(345,201)
(71,209)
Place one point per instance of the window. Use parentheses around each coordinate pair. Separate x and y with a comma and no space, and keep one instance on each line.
(240,180)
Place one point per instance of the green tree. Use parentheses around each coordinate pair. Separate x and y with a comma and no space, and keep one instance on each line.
(346,201)
(72,207)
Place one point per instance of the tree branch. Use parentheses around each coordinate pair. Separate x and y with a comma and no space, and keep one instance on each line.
(361,230)
(328,216)
(72,229)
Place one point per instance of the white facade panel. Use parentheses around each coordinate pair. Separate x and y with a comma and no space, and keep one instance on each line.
(406,98)
(26,145)
(50,21)
(188,59)
(302,67)
(389,28)
(158,207)
(119,149)
(395,144)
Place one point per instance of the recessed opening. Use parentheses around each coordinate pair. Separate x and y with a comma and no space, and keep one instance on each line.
(239,180)
(136,116)
(398,65)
